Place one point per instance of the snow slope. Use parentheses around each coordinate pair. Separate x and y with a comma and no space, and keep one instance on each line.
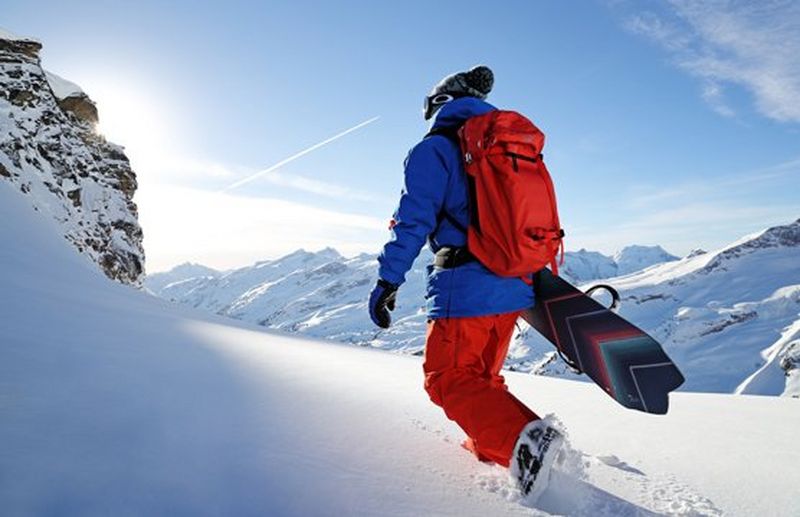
(10,36)
(722,315)
(114,402)
(729,318)
(323,294)
(62,88)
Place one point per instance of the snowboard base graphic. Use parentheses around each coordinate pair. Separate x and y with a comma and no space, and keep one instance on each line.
(619,357)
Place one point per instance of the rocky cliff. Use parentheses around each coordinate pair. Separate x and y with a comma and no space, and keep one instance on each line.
(51,151)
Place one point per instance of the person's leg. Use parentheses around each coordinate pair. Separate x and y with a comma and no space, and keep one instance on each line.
(459,378)
(494,355)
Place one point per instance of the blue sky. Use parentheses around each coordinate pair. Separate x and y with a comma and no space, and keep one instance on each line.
(672,123)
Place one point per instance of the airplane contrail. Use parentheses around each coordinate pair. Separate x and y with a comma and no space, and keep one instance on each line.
(295,156)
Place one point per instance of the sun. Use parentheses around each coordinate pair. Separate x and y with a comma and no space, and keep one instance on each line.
(130,117)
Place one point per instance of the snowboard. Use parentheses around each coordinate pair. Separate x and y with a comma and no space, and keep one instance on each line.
(619,357)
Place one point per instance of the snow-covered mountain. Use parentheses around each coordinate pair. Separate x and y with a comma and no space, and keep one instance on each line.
(635,258)
(114,402)
(579,266)
(157,283)
(50,150)
(583,266)
(719,314)
(729,318)
(323,294)
(735,312)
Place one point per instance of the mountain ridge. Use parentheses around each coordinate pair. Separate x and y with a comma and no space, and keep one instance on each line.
(677,300)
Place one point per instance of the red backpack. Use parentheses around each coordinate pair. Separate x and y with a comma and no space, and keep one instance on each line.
(514,228)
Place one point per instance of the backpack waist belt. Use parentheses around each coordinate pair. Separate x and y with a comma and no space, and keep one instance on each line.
(449,257)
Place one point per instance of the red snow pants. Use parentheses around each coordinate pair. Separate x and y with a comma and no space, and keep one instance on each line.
(463,358)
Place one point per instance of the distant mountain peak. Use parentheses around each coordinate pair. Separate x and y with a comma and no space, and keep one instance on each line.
(636,257)
(304,255)
(193,267)
(329,252)
(585,265)
(323,294)
(781,236)
(787,235)
(638,248)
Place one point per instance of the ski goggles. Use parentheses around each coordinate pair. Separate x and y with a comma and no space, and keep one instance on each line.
(434,102)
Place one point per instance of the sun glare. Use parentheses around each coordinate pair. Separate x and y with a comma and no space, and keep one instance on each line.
(129,117)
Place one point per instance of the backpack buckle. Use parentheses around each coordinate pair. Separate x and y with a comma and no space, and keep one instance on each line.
(451,257)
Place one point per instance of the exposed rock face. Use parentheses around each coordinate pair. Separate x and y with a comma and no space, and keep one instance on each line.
(50,150)
(786,236)
(790,364)
(81,106)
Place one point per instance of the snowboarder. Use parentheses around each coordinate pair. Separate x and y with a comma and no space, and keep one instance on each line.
(472,311)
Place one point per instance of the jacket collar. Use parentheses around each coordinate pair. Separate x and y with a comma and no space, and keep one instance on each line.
(455,112)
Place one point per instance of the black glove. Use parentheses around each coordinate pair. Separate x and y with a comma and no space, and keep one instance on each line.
(381,301)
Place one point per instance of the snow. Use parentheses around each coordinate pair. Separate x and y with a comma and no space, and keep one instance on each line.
(636,258)
(771,378)
(115,402)
(584,265)
(725,317)
(721,315)
(66,168)
(180,273)
(10,36)
(61,87)
(323,294)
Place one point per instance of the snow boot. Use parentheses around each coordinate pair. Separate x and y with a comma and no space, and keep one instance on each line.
(534,453)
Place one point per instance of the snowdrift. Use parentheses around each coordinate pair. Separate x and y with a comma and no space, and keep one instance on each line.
(113,402)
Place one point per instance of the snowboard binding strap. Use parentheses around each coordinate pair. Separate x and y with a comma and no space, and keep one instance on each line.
(613,292)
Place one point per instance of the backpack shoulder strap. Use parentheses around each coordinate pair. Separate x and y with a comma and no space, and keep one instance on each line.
(449,132)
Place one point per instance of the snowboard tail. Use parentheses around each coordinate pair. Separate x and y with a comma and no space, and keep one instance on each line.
(622,359)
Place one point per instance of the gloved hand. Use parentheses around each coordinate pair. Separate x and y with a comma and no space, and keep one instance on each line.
(381,301)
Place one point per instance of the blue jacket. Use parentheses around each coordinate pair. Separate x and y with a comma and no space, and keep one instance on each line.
(435,184)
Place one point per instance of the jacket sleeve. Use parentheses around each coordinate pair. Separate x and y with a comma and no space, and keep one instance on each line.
(416,217)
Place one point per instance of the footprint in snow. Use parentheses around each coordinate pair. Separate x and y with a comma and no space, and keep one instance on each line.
(584,485)
(613,461)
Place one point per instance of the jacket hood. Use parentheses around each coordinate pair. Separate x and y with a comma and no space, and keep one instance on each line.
(457,111)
